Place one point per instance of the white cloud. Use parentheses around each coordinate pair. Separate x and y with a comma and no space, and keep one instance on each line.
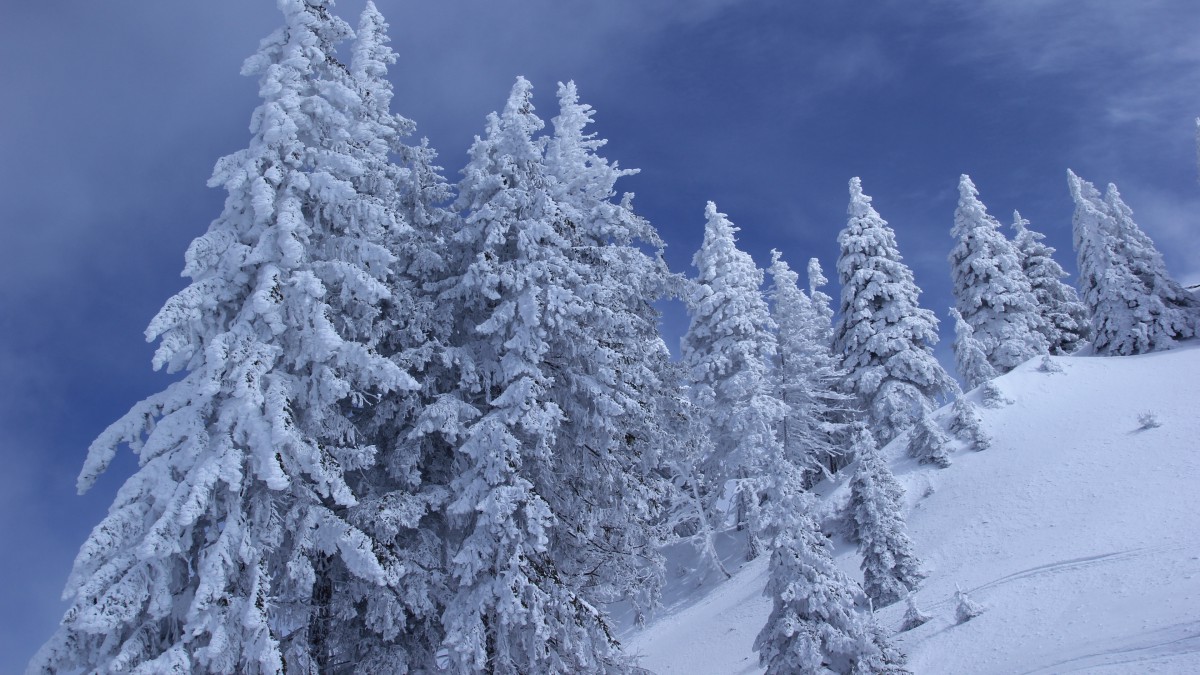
(1129,63)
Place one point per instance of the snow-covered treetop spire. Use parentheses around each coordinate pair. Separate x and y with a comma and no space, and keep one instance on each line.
(1066,320)
(991,290)
(371,56)
(860,204)
(971,212)
(1020,225)
(883,335)
(816,276)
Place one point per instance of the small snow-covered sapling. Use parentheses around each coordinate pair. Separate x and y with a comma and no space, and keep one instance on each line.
(1148,420)
(993,396)
(966,608)
(913,616)
(1049,365)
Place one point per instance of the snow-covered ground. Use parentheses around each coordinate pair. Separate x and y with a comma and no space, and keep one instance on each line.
(1078,531)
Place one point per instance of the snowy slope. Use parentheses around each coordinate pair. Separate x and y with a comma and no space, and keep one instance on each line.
(1077,530)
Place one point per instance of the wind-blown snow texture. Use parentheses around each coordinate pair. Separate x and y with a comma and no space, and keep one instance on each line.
(1076,531)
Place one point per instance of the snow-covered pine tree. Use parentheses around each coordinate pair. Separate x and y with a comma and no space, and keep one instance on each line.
(820,619)
(554,482)
(969,358)
(219,553)
(508,595)
(1066,324)
(820,301)
(927,443)
(991,290)
(890,567)
(402,497)
(965,608)
(967,426)
(1146,263)
(805,375)
(610,372)
(1128,316)
(727,352)
(883,336)
(692,516)
(913,616)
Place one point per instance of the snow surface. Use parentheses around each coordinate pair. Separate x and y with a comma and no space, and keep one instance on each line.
(1078,531)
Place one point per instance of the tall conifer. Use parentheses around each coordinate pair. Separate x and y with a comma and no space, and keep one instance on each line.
(727,350)
(884,337)
(991,291)
(219,552)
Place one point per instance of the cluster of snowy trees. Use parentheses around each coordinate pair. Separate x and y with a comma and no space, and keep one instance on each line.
(424,426)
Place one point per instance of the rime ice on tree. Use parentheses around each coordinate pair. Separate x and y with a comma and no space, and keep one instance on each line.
(1066,325)
(819,619)
(727,351)
(1135,306)
(890,567)
(219,553)
(884,338)
(969,357)
(554,488)
(806,372)
(991,291)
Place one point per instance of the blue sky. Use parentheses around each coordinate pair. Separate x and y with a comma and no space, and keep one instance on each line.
(113,114)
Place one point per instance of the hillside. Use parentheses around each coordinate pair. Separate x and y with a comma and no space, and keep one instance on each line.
(1078,531)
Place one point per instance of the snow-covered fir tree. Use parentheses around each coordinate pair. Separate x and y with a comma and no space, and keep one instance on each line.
(890,567)
(1132,312)
(402,497)
(991,290)
(1066,323)
(552,489)
(969,357)
(806,373)
(913,616)
(927,443)
(692,516)
(821,303)
(727,351)
(966,424)
(611,370)
(219,553)
(965,608)
(820,619)
(1147,265)
(883,337)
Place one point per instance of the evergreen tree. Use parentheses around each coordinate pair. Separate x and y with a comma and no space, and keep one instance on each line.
(403,496)
(969,358)
(965,608)
(927,443)
(967,426)
(885,339)
(219,552)
(991,290)
(890,567)
(820,301)
(1118,281)
(611,371)
(820,619)
(806,375)
(913,616)
(1065,324)
(727,351)
(692,516)
(1148,266)
(555,468)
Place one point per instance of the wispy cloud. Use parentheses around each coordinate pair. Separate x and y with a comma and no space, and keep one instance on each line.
(1129,63)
